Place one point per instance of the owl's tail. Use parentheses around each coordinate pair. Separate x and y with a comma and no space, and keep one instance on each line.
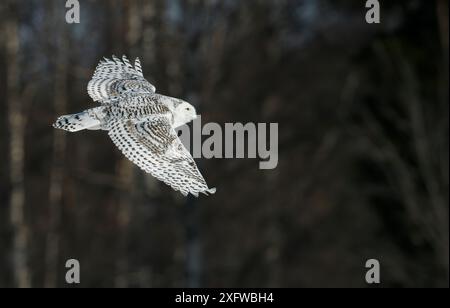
(78,121)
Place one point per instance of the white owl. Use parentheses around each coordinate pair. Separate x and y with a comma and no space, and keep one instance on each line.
(141,123)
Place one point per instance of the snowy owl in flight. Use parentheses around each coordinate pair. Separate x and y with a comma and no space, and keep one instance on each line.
(141,123)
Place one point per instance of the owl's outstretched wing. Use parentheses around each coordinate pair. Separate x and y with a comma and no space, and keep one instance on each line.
(116,78)
(153,145)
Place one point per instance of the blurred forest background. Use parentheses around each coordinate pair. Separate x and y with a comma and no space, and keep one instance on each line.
(363,145)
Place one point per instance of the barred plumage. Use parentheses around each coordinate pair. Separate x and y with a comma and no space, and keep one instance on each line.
(154,146)
(115,78)
(141,123)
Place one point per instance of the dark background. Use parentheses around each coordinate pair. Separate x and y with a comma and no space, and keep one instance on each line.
(363,145)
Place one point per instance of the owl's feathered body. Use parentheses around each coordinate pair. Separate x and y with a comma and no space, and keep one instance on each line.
(141,123)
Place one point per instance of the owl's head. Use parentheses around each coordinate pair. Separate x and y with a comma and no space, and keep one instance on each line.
(184,113)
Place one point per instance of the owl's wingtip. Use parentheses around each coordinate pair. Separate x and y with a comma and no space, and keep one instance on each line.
(212,190)
(207,192)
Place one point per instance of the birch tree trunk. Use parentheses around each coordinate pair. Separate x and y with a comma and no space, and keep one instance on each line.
(16,122)
(59,145)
